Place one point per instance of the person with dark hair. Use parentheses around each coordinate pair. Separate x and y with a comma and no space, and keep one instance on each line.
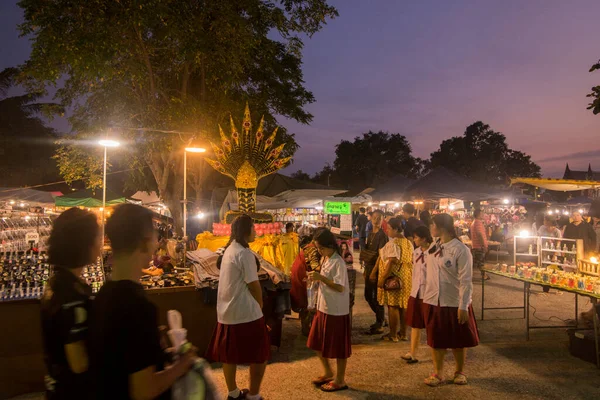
(449,317)
(394,266)
(241,335)
(479,242)
(539,221)
(369,227)
(330,334)
(580,229)
(411,222)
(289,227)
(369,256)
(361,227)
(414,313)
(127,359)
(308,260)
(425,218)
(75,242)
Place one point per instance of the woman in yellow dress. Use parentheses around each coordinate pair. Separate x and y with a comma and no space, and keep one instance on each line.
(395,261)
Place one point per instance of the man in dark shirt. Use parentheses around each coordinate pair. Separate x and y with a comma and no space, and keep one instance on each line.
(580,229)
(361,227)
(376,241)
(127,360)
(408,212)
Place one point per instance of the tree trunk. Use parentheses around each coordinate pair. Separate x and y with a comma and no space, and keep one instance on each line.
(173,202)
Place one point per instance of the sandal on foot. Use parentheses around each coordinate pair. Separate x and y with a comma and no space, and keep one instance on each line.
(404,338)
(320,381)
(434,381)
(388,338)
(407,357)
(332,387)
(412,361)
(460,378)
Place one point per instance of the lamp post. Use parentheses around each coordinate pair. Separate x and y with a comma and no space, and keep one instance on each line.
(106,144)
(187,150)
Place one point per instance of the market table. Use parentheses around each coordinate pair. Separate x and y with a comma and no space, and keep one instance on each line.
(526,305)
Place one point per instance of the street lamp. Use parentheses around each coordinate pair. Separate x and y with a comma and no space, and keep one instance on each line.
(187,150)
(106,144)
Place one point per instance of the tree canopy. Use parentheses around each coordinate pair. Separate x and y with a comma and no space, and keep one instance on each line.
(483,154)
(150,68)
(595,94)
(26,143)
(370,160)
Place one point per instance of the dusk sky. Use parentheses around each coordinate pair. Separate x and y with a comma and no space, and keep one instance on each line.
(428,69)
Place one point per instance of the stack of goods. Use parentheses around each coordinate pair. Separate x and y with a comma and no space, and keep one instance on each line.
(94,275)
(206,273)
(179,277)
(23,275)
(552,276)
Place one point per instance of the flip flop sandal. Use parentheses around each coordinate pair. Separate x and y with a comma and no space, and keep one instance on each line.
(460,379)
(412,361)
(387,338)
(320,381)
(407,357)
(332,387)
(434,381)
(404,338)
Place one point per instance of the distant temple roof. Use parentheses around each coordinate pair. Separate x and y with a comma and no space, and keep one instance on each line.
(588,175)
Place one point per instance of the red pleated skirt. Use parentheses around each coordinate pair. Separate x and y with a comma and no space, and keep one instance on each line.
(444,331)
(240,344)
(415,314)
(331,335)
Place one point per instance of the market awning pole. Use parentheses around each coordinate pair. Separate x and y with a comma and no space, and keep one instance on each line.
(185,195)
(104,195)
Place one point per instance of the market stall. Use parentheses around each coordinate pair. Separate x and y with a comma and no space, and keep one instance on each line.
(553,263)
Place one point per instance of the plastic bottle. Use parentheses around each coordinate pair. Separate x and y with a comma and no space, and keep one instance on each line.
(530,249)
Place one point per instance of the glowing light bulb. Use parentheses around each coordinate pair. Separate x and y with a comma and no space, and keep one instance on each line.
(524,233)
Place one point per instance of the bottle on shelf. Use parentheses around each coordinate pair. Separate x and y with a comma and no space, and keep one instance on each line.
(530,249)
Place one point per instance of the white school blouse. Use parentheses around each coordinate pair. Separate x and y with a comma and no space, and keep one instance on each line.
(419,274)
(449,275)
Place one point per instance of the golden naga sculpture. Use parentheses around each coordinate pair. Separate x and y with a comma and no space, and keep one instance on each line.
(247,157)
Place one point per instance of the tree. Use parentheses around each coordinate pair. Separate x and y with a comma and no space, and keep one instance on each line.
(484,155)
(371,159)
(595,95)
(153,68)
(300,175)
(26,143)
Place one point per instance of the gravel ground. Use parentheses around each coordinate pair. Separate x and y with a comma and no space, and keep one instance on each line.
(503,366)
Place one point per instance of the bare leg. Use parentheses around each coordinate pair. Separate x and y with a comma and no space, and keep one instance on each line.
(327,372)
(415,340)
(341,372)
(438,362)
(394,315)
(229,370)
(401,314)
(257,372)
(460,355)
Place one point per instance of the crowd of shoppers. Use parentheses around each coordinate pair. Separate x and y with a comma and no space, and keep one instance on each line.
(111,347)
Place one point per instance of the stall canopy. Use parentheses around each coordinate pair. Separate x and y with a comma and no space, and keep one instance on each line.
(442,183)
(559,185)
(275,184)
(147,199)
(393,189)
(29,196)
(89,198)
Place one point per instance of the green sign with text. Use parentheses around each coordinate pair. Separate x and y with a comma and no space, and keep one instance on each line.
(338,207)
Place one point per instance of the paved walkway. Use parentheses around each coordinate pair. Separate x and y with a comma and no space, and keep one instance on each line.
(504,366)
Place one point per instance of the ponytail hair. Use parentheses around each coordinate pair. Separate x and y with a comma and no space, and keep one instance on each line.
(445,222)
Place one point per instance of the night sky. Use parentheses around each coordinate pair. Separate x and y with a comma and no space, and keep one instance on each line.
(428,69)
